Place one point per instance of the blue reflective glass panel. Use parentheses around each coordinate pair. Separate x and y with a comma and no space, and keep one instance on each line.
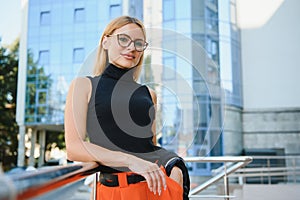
(78,55)
(79,15)
(45,18)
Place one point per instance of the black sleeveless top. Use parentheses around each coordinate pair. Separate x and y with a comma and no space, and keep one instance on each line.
(120,117)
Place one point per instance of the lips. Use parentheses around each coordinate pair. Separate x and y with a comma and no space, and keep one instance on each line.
(128,56)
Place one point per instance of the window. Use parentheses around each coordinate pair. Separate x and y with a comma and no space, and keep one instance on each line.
(169,68)
(115,11)
(168,10)
(79,15)
(41,97)
(211,19)
(45,18)
(78,55)
(44,56)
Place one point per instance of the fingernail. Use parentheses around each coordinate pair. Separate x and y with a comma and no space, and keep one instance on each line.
(159,192)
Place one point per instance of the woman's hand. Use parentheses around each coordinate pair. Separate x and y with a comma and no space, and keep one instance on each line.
(153,174)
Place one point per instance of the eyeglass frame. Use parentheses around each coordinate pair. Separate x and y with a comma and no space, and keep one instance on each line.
(131,41)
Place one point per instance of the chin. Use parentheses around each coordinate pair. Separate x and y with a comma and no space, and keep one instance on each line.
(128,64)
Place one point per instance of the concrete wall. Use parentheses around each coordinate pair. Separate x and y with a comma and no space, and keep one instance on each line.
(278,128)
(233,137)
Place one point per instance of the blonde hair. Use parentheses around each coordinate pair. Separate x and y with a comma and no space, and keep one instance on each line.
(102,57)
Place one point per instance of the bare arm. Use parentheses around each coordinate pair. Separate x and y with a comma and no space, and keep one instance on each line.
(80,150)
(75,129)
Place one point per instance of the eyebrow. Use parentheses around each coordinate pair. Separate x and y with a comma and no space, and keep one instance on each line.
(130,36)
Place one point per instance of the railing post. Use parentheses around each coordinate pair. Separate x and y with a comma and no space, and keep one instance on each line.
(96,180)
(269,177)
(294,170)
(226,186)
(241,180)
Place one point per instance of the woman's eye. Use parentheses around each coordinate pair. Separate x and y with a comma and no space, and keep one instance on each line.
(123,39)
(139,43)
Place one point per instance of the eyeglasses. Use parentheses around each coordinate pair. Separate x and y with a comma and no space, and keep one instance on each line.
(124,41)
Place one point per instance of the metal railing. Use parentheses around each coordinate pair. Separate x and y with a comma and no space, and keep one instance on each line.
(270,170)
(32,184)
(240,161)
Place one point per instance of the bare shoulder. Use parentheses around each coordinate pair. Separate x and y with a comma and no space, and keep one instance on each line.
(153,94)
(81,86)
(81,80)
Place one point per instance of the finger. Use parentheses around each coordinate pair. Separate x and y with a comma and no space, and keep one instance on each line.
(148,180)
(158,180)
(163,179)
(154,181)
(157,183)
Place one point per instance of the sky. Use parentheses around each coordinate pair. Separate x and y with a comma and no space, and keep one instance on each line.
(10,20)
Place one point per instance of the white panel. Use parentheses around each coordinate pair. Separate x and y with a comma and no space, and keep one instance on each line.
(271,62)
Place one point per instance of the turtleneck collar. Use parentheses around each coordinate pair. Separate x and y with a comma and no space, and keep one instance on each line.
(115,72)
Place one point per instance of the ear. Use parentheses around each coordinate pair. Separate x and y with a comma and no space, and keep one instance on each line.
(105,43)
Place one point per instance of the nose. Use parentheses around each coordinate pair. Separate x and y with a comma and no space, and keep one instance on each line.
(131,46)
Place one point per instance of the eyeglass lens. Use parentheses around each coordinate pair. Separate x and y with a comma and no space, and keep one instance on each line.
(124,41)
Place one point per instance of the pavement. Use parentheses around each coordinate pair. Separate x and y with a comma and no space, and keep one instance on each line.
(74,191)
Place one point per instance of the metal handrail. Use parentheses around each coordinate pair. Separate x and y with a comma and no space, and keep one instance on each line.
(288,171)
(219,159)
(241,161)
(277,157)
(34,183)
(265,169)
(265,175)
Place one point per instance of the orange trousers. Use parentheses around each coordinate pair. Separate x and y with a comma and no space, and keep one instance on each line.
(138,191)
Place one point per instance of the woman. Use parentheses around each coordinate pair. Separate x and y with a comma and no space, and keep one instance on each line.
(118,116)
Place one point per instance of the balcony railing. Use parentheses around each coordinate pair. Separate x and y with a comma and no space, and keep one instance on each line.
(32,184)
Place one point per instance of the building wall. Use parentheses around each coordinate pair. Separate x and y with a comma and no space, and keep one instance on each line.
(60,36)
(271,63)
(270,60)
(272,129)
(233,131)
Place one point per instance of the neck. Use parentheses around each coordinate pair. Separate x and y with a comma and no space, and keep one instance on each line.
(117,72)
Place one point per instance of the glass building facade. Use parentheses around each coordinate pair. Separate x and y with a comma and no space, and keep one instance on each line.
(60,35)
(199,82)
(200,58)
